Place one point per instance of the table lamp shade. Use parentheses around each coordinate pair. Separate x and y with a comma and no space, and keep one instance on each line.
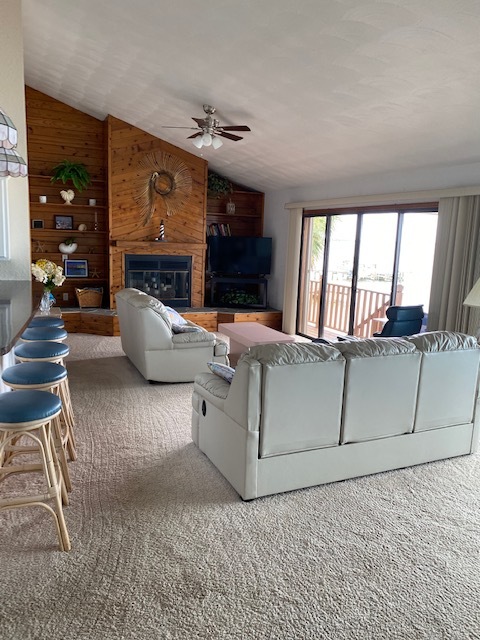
(473,298)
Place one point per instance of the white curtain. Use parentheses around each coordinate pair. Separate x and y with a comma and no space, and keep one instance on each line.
(290,293)
(456,265)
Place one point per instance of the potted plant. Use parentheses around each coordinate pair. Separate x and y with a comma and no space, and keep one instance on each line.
(68,246)
(218,186)
(76,172)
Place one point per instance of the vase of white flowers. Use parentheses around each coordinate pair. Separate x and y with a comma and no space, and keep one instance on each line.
(51,276)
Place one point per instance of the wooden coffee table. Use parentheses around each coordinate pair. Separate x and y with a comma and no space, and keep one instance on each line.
(247,334)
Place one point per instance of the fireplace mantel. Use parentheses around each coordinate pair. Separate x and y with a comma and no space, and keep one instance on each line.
(183,246)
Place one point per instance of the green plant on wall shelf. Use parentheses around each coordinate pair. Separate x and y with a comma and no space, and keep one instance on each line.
(218,186)
(77,172)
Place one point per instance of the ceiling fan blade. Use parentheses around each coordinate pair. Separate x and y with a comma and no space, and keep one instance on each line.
(200,121)
(168,127)
(241,127)
(195,135)
(230,136)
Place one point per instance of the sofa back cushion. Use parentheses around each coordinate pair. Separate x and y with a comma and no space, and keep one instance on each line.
(448,379)
(144,323)
(381,383)
(302,389)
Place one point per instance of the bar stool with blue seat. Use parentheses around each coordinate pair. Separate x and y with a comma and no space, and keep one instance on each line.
(48,376)
(41,351)
(46,321)
(28,416)
(44,333)
(48,351)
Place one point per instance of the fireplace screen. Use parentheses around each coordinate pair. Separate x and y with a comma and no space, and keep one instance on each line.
(164,277)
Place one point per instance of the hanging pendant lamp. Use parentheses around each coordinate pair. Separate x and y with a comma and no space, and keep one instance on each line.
(11,164)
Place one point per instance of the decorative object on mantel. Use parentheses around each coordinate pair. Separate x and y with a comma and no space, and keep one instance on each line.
(76,172)
(51,276)
(11,164)
(82,227)
(95,273)
(68,246)
(164,175)
(39,247)
(161,233)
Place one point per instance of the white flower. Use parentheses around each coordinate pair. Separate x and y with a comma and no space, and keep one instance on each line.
(48,273)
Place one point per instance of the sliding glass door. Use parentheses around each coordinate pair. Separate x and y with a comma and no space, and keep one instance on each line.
(355,264)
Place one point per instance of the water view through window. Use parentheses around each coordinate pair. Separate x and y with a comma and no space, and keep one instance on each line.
(371,260)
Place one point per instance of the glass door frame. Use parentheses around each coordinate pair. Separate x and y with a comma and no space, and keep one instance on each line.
(424,207)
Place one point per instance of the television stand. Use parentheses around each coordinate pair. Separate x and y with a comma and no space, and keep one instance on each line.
(238,291)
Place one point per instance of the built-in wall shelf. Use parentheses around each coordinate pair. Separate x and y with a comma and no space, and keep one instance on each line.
(68,232)
(44,153)
(49,177)
(65,207)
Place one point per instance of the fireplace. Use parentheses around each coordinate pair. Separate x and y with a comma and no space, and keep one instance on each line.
(164,277)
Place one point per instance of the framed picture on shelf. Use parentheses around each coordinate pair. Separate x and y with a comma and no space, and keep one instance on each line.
(63,222)
(37,224)
(75,268)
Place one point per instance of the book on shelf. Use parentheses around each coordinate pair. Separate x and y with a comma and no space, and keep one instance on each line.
(218,229)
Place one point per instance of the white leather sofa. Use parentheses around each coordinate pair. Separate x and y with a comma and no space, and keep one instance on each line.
(298,415)
(150,343)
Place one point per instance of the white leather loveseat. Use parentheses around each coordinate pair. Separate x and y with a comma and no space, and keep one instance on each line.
(149,341)
(297,415)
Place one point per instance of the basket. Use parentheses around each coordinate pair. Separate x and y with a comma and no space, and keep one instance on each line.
(89,297)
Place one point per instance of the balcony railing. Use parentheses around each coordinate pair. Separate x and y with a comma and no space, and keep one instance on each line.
(370,309)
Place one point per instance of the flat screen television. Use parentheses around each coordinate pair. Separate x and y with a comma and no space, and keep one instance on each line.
(239,255)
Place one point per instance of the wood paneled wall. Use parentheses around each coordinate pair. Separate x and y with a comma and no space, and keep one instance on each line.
(57,131)
(127,145)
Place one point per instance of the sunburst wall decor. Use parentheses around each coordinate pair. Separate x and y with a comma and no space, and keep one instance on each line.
(164,175)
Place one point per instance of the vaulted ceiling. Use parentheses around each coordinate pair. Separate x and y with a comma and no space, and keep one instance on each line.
(331,89)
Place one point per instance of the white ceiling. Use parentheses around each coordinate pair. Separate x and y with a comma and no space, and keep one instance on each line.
(332,89)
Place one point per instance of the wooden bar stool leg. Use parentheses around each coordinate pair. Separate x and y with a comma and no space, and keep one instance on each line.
(67,416)
(49,465)
(61,455)
(55,481)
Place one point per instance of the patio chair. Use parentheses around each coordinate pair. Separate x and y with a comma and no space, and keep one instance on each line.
(402,321)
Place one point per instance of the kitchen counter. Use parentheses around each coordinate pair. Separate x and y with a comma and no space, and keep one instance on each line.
(16,310)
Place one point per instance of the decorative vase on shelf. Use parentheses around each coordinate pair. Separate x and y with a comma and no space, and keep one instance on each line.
(47,301)
(230,207)
(67,248)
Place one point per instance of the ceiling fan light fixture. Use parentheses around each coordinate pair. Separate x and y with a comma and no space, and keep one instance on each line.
(216,142)
(198,142)
(206,139)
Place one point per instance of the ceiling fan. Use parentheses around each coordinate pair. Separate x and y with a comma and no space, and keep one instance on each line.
(209,130)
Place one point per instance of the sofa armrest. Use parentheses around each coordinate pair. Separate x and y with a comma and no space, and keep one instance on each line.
(193,340)
(243,402)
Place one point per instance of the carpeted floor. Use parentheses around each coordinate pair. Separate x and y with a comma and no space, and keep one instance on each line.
(164,548)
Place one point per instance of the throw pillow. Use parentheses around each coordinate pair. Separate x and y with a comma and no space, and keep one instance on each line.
(225,372)
(159,308)
(185,328)
(175,317)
